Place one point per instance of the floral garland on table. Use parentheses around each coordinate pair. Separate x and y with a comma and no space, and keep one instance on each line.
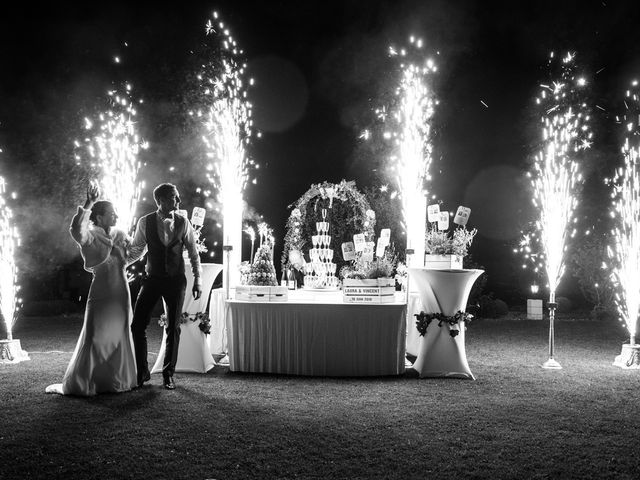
(424,319)
(203,318)
(352,214)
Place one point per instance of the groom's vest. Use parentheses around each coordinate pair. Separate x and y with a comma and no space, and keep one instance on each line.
(165,260)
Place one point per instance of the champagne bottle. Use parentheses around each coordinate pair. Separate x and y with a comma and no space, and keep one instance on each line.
(284,282)
(291,279)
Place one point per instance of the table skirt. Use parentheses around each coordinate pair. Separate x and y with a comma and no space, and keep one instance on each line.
(317,339)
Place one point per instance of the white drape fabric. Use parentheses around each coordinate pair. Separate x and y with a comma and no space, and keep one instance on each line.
(194,355)
(414,306)
(446,291)
(218,337)
(320,339)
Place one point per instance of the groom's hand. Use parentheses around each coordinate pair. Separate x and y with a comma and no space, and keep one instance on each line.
(197,291)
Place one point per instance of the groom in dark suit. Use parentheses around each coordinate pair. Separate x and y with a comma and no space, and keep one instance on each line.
(165,235)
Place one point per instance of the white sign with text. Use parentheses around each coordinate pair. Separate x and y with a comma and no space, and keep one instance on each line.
(385,236)
(462,216)
(197,216)
(348,251)
(433,213)
(359,241)
(367,253)
(443,221)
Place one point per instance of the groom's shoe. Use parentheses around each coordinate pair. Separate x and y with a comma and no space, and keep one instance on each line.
(145,377)
(168,383)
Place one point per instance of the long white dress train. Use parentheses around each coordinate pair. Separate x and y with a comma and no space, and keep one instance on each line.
(103,360)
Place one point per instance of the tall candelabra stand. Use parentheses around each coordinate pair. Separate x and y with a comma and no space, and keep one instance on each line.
(224,361)
(227,275)
(408,252)
(552,364)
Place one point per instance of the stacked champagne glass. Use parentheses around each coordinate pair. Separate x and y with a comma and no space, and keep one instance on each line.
(320,272)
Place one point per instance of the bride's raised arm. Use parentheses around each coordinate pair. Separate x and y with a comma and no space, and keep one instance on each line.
(79,228)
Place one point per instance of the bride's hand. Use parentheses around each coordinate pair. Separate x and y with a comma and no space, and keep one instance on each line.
(93,192)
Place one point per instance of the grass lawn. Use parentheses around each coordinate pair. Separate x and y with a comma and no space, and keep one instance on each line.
(515,421)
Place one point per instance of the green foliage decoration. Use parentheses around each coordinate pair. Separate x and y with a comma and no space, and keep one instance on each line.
(593,280)
(348,212)
(388,215)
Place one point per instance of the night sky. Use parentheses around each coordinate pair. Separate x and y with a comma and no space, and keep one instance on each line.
(318,67)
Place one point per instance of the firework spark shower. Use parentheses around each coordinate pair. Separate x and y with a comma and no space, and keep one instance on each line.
(226,117)
(113,154)
(625,253)
(9,241)
(409,127)
(556,171)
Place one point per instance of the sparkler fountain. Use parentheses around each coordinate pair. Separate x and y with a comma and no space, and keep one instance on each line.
(227,121)
(249,230)
(409,129)
(10,349)
(556,175)
(113,152)
(625,253)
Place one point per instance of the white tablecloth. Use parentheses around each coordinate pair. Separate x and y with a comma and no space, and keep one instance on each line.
(194,354)
(217,313)
(323,338)
(445,291)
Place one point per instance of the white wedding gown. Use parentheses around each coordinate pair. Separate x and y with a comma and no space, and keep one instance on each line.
(103,360)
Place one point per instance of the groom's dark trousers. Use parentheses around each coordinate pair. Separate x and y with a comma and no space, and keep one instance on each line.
(172,290)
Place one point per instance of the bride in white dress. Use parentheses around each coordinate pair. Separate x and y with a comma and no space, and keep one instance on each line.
(103,360)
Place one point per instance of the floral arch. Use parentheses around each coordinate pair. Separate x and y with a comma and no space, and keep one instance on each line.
(348,212)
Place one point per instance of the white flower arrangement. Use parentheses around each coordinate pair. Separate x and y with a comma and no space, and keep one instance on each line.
(200,245)
(439,242)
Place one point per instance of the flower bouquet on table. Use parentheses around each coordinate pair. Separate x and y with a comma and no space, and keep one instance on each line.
(369,276)
(402,273)
(197,222)
(199,238)
(444,249)
(245,268)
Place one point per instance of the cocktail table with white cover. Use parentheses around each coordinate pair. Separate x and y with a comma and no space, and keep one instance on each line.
(194,354)
(445,291)
(319,337)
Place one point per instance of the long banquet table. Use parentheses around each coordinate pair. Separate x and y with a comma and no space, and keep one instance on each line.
(319,336)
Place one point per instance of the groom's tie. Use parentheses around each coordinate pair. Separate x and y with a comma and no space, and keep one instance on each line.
(168,227)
